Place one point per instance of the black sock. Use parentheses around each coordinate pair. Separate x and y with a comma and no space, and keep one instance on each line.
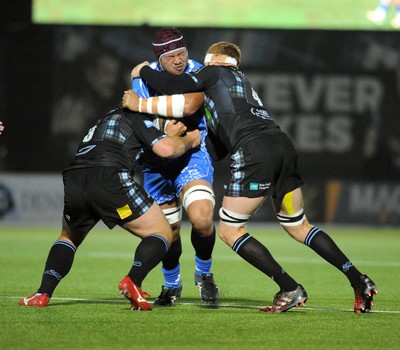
(171,260)
(149,253)
(58,264)
(326,248)
(203,246)
(259,256)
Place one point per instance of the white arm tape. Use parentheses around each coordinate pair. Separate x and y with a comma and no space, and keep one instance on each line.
(178,105)
(149,107)
(140,105)
(162,106)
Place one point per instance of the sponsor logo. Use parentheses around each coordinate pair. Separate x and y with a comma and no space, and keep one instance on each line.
(254,186)
(139,298)
(149,124)
(53,273)
(346,266)
(261,113)
(6,201)
(85,150)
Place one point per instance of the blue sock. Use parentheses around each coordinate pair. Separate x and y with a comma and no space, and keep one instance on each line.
(172,277)
(203,266)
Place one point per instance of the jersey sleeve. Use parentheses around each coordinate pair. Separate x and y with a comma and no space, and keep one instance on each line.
(146,131)
(140,87)
(169,83)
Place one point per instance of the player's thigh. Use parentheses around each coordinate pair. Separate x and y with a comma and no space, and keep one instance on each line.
(242,205)
(152,221)
(291,203)
(78,217)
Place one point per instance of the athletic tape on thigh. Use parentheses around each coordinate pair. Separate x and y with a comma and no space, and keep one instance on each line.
(173,214)
(233,219)
(196,193)
(292,219)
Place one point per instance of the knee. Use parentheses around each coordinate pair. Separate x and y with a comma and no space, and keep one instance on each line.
(225,236)
(201,218)
(298,232)
(229,234)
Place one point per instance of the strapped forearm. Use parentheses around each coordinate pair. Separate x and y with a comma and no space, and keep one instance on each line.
(166,106)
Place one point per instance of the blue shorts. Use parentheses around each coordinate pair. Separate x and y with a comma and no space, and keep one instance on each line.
(166,184)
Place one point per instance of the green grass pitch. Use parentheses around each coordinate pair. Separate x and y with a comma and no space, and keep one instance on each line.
(278,14)
(87,312)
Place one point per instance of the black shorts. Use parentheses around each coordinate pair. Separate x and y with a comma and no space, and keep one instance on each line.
(264,166)
(102,193)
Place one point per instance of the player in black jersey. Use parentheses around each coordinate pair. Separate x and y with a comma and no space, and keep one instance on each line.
(263,163)
(100,185)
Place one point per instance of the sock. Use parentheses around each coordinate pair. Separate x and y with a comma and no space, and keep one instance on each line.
(171,260)
(202,266)
(172,277)
(326,248)
(151,250)
(258,255)
(203,246)
(171,268)
(58,264)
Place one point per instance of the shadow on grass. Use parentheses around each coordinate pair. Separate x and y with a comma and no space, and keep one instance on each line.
(226,303)
(223,303)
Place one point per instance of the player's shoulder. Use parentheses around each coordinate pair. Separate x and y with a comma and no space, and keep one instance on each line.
(193,65)
(155,65)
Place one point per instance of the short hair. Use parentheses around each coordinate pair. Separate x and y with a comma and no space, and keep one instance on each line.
(226,48)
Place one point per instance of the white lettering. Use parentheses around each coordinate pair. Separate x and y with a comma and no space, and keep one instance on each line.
(314,133)
(370,199)
(338,94)
(309,133)
(338,134)
(309,94)
(330,93)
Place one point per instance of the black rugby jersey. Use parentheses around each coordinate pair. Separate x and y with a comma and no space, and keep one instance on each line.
(235,113)
(117,140)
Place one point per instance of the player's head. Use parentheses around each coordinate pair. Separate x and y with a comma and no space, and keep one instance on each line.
(170,49)
(223,54)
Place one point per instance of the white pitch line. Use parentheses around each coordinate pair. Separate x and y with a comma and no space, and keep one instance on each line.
(237,306)
(233,257)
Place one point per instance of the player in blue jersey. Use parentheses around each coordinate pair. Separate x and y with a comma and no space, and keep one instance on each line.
(263,164)
(379,14)
(184,182)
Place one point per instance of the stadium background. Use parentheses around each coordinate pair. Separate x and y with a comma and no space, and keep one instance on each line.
(335,92)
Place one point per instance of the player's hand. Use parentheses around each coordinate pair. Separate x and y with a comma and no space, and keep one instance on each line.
(136,70)
(174,128)
(194,136)
(130,100)
(1,128)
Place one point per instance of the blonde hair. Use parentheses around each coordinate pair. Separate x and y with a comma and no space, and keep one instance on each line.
(225,48)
